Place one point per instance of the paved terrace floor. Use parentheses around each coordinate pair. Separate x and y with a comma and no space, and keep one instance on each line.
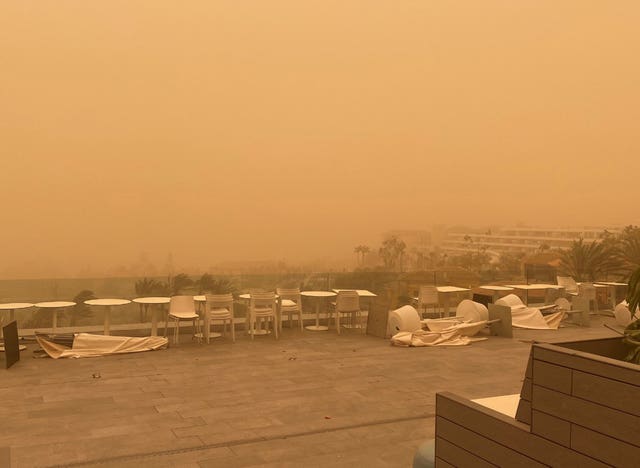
(311,399)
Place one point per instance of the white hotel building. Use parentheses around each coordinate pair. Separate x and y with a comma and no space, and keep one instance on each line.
(519,239)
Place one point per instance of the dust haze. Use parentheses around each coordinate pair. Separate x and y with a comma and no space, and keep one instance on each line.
(288,130)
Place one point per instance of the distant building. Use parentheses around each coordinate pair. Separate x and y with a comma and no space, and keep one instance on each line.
(520,239)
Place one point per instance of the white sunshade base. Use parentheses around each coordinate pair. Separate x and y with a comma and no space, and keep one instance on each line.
(88,345)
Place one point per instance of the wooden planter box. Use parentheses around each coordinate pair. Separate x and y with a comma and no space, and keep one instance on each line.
(579,406)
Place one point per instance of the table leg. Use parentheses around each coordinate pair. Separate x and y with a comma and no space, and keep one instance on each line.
(2,323)
(154,321)
(12,317)
(55,320)
(445,304)
(317,326)
(107,320)
(614,296)
(207,325)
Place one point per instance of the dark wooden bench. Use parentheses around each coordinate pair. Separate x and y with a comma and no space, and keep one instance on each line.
(579,406)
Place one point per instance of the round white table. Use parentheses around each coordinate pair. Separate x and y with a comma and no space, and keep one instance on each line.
(107,303)
(317,297)
(12,307)
(55,305)
(150,302)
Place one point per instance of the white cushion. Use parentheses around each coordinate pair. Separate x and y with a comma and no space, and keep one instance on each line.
(405,318)
(510,300)
(472,311)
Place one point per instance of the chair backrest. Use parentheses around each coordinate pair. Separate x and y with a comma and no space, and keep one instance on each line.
(292,294)
(428,295)
(182,304)
(219,301)
(263,299)
(347,301)
(568,283)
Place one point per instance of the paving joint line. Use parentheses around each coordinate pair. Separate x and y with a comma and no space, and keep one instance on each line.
(238,442)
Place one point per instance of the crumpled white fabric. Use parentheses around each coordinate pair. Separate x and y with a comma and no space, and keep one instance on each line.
(530,317)
(451,336)
(89,345)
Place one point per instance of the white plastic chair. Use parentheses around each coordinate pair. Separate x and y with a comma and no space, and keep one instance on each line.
(428,296)
(182,308)
(219,308)
(569,284)
(291,304)
(262,305)
(348,302)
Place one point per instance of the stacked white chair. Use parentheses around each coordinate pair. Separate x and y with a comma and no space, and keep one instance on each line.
(263,306)
(290,304)
(219,308)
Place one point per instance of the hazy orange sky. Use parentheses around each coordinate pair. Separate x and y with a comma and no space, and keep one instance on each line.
(288,129)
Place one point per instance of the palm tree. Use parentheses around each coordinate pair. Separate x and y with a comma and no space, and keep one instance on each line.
(628,243)
(391,252)
(358,250)
(586,261)
(175,284)
(400,248)
(146,287)
(205,283)
(80,310)
(361,251)
(364,250)
(223,285)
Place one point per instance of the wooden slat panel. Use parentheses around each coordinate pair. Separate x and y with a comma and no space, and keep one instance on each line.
(590,363)
(607,392)
(528,373)
(599,418)
(525,392)
(555,429)
(5,456)
(552,376)
(483,447)
(523,413)
(610,347)
(604,448)
(440,463)
(457,456)
(507,431)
